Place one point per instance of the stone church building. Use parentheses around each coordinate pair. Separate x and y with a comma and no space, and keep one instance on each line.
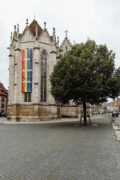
(32,57)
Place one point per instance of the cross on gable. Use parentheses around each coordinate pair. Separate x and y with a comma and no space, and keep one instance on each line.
(66,32)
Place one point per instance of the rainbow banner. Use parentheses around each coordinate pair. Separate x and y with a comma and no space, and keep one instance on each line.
(27,70)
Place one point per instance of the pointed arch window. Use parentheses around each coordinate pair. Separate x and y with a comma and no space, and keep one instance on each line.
(43,77)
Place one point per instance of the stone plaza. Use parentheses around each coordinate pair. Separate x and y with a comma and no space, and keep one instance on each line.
(59,151)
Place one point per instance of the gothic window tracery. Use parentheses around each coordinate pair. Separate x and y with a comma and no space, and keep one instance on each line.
(43,77)
(27,97)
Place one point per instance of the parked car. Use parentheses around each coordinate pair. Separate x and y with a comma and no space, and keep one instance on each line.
(115,114)
(2,114)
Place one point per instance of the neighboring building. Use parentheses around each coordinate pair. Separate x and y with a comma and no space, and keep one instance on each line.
(112,106)
(101,108)
(3,99)
(118,104)
(33,55)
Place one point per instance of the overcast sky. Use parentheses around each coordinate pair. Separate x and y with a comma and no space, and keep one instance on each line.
(97,19)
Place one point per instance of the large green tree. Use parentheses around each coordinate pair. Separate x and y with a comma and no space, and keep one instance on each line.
(85,74)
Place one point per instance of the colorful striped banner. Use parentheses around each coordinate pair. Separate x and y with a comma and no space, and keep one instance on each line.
(27,70)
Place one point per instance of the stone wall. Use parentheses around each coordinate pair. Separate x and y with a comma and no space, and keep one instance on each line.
(70,111)
(35,112)
(38,112)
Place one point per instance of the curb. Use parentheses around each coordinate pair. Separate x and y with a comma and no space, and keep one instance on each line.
(117,129)
(62,120)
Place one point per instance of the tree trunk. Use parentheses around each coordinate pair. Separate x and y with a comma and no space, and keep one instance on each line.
(84,112)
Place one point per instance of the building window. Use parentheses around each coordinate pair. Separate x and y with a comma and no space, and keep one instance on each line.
(27,97)
(66,48)
(2,99)
(2,105)
(43,77)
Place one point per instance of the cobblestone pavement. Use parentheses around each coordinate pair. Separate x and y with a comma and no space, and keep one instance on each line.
(59,151)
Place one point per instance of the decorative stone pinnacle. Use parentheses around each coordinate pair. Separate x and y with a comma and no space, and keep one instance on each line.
(26,22)
(11,35)
(18,28)
(53,30)
(57,39)
(11,38)
(44,25)
(15,28)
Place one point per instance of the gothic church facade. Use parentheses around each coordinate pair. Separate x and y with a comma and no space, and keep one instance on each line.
(32,57)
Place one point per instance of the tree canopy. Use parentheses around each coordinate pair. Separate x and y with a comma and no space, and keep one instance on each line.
(85,74)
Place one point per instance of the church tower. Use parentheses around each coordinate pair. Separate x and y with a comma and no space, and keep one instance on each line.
(32,57)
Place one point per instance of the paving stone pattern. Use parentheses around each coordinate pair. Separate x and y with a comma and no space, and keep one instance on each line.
(59,151)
